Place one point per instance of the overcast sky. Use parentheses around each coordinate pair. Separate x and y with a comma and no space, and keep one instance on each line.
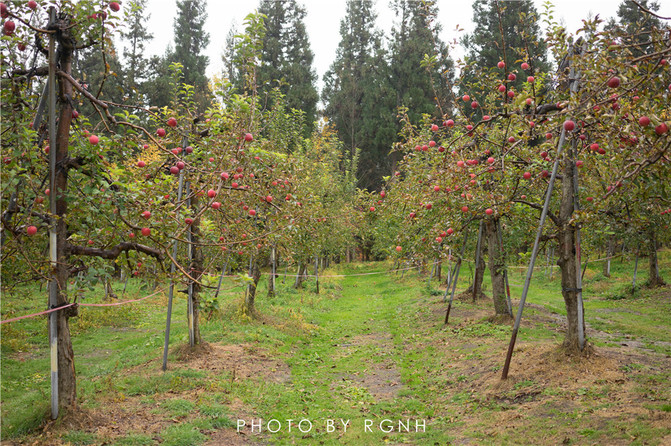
(324,16)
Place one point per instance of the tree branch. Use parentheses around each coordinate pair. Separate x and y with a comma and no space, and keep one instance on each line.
(552,216)
(114,252)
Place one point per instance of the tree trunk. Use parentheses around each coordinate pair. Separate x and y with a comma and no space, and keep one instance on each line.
(299,276)
(654,280)
(250,308)
(496,267)
(67,383)
(476,287)
(109,292)
(273,270)
(196,270)
(609,253)
(567,257)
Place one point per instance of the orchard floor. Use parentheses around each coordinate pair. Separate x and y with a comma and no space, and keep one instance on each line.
(368,347)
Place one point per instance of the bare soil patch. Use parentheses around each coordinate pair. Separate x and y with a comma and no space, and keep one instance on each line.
(119,415)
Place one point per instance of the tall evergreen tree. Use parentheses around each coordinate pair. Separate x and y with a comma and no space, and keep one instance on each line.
(286,58)
(504,30)
(635,24)
(358,95)
(191,40)
(422,70)
(136,38)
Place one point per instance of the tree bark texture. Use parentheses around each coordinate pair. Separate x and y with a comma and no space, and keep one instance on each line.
(496,267)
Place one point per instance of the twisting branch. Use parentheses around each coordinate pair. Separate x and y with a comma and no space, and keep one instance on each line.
(114,252)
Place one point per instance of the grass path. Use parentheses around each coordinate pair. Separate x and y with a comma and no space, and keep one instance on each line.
(369,347)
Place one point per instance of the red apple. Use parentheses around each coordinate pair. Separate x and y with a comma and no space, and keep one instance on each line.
(525,66)
(31,230)
(234,185)
(569,125)
(490,160)
(526,175)
(489,211)
(174,170)
(180,165)
(511,139)
(146,232)
(450,231)
(252,212)
(399,249)
(3,11)
(502,88)
(501,65)
(93,139)
(146,215)
(466,98)
(224,175)
(529,101)
(249,137)
(114,6)
(188,220)
(512,77)
(450,122)
(464,209)
(141,164)
(439,239)
(590,199)
(188,149)
(531,79)
(211,193)
(614,82)
(172,122)
(474,104)
(160,132)
(9,27)
(594,147)
(436,188)
(661,129)
(383,194)
(269,198)
(548,135)
(434,128)
(486,118)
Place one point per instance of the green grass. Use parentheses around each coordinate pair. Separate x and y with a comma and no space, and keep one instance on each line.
(367,347)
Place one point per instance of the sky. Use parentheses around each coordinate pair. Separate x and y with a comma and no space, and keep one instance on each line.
(324,16)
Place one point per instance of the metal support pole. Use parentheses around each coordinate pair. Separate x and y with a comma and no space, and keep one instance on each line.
(534,253)
(189,303)
(53,235)
(455,277)
(171,290)
(578,249)
(477,258)
(221,277)
(317,271)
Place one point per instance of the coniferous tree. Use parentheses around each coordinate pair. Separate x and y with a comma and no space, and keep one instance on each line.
(357,92)
(136,37)
(101,75)
(286,58)
(191,40)
(635,24)
(421,68)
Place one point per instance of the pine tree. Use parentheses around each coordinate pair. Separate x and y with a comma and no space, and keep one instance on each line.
(421,68)
(635,25)
(520,41)
(286,58)
(191,41)
(136,38)
(357,92)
